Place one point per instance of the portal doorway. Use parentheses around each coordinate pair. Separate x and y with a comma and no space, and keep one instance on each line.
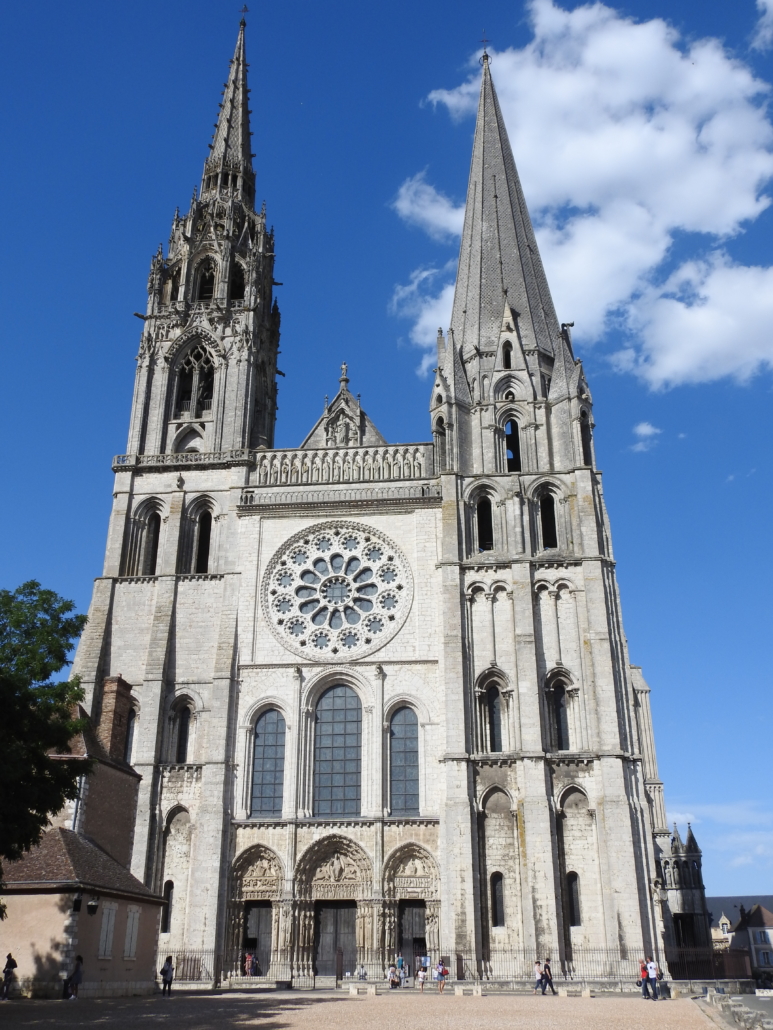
(257,937)
(412,936)
(335,938)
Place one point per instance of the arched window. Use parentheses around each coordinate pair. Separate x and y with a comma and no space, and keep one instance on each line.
(696,875)
(686,878)
(513,446)
(560,718)
(497,899)
(150,551)
(268,764)
(237,282)
(494,712)
(440,434)
(507,355)
(547,517)
(337,753)
(166,911)
(404,763)
(183,721)
(129,745)
(206,289)
(174,287)
(203,537)
(587,450)
(573,899)
(195,383)
(485,525)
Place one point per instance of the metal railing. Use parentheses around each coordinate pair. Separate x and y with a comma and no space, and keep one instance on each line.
(192,965)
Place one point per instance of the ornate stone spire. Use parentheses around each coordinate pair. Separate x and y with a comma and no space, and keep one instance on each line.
(499,261)
(231,149)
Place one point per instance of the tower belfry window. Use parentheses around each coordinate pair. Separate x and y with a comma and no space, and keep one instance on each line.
(485,525)
(203,536)
(195,383)
(237,282)
(442,453)
(206,289)
(547,514)
(513,446)
(560,719)
(494,707)
(152,533)
(587,450)
(507,355)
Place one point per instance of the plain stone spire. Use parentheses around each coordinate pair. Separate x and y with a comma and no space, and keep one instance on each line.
(499,261)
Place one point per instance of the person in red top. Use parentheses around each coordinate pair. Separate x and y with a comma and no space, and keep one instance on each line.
(643,977)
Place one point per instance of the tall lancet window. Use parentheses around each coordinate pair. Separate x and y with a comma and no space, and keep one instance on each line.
(513,446)
(587,449)
(337,753)
(237,282)
(268,764)
(150,552)
(404,763)
(441,445)
(203,538)
(195,383)
(206,283)
(560,718)
(507,355)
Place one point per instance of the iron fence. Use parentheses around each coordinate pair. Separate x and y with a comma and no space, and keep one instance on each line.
(193,965)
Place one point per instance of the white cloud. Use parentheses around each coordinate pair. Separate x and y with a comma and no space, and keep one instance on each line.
(732,836)
(429,311)
(647,436)
(763,33)
(626,137)
(421,204)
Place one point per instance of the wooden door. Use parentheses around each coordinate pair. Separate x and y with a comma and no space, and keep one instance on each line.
(335,938)
(413,934)
(257,933)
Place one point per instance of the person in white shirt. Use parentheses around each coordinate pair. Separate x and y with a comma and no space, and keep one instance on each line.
(652,976)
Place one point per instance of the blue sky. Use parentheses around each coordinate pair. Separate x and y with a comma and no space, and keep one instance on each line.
(645,145)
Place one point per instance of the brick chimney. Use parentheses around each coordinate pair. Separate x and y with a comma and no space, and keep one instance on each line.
(114,720)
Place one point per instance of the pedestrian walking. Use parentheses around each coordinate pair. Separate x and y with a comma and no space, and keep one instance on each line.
(547,977)
(76,977)
(537,976)
(421,977)
(166,973)
(442,973)
(644,979)
(652,976)
(8,975)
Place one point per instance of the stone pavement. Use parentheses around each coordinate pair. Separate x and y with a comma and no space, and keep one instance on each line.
(404,1011)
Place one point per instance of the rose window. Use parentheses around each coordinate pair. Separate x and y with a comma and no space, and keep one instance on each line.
(337,591)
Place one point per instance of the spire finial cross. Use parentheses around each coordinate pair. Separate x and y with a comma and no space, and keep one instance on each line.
(485,42)
(244,10)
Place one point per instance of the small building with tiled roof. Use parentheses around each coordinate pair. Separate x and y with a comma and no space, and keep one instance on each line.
(73,894)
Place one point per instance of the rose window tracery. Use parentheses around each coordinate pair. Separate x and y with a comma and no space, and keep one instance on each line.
(337,591)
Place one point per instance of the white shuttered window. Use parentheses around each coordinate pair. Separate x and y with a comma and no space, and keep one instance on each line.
(108,928)
(132,927)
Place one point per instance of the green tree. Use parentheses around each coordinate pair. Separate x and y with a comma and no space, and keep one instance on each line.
(39,717)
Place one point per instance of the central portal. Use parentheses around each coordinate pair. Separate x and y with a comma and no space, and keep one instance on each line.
(413,933)
(257,936)
(335,938)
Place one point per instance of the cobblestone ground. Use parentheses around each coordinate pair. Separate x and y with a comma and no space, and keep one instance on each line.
(404,1011)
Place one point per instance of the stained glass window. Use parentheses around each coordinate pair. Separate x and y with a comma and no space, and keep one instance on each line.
(337,753)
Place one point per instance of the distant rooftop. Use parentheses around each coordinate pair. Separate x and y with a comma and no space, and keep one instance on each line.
(731,905)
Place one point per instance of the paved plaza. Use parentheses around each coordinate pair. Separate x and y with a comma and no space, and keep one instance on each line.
(403,1011)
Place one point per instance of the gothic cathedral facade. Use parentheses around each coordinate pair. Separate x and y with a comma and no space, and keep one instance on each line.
(382,694)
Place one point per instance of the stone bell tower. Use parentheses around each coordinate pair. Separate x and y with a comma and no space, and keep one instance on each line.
(206,371)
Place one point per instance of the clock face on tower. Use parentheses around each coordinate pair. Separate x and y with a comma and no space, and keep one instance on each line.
(337,591)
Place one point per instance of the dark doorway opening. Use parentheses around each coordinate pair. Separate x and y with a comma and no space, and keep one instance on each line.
(257,936)
(335,938)
(412,938)
(684,931)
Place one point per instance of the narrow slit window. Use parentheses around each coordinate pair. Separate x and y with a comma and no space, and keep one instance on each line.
(513,446)
(507,356)
(440,431)
(547,514)
(494,711)
(485,525)
(497,899)
(152,534)
(183,735)
(573,899)
(560,719)
(202,542)
(587,450)
(166,911)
